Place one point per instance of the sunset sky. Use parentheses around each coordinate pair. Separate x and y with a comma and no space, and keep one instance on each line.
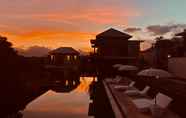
(54,23)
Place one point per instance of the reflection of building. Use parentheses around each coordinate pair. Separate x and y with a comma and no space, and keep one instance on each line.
(113,44)
(64,56)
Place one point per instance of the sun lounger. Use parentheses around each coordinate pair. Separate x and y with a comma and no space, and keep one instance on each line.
(144,104)
(158,112)
(125,87)
(117,65)
(137,92)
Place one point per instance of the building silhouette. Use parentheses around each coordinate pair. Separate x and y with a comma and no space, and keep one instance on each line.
(64,56)
(183,48)
(115,45)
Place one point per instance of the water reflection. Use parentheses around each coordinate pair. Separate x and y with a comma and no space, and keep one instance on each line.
(55,103)
(84,84)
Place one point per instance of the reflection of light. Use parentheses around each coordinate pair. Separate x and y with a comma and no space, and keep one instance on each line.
(84,84)
(58,105)
(74,83)
(72,104)
(66,82)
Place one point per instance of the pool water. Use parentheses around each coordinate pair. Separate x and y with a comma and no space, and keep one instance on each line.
(61,105)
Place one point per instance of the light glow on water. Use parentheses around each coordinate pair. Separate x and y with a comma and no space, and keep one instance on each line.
(61,105)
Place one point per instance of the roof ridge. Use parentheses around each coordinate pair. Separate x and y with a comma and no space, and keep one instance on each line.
(113,33)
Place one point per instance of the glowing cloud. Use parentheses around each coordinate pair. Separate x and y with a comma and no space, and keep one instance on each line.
(58,23)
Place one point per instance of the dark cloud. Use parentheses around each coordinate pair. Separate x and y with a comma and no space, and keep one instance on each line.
(163,29)
(132,29)
(37,51)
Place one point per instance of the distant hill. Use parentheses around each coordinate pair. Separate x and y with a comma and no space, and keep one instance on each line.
(36,51)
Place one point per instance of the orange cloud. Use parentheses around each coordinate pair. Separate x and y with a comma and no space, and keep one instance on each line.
(69,23)
(100,15)
(51,39)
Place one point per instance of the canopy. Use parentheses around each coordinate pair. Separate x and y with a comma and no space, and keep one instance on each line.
(152,72)
(127,68)
(117,65)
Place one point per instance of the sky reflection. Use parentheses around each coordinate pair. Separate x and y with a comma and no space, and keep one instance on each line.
(57,105)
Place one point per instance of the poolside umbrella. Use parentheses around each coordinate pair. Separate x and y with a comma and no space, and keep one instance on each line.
(155,73)
(127,71)
(117,65)
(152,72)
(127,68)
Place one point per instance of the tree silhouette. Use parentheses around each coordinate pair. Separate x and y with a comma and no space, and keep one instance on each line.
(6,49)
(8,59)
(7,53)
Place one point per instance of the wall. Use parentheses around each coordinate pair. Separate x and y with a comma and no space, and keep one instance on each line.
(133,49)
(113,47)
(177,65)
(149,57)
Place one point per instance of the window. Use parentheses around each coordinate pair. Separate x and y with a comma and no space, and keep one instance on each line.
(68,57)
(75,57)
(52,58)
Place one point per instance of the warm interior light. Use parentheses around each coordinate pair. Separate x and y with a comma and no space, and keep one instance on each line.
(52,57)
(75,57)
(68,57)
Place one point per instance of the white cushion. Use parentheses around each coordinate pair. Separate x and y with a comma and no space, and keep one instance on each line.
(159,112)
(145,90)
(123,87)
(163,100)
(132,84)
(132,92)
(137,92)
(117,65)
(143,104)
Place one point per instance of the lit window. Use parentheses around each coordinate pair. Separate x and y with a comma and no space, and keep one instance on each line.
(75,57)
(68,58)
(52,57)
(169,56)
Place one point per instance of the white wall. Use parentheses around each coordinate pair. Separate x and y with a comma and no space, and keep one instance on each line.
(178,66)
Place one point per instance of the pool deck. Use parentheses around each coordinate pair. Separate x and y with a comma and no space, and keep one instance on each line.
(122,104)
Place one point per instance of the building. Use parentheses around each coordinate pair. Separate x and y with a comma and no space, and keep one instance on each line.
(111,43)
(177,62)
(162,49)
(64,56)
(147,58)
(134,48)
(157,56)
(115,45)
(182,48)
